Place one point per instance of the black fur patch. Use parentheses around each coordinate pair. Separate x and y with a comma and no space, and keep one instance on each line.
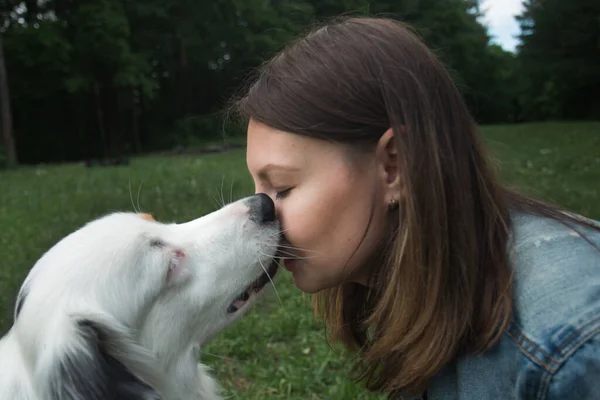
(20,300)
(96,375)
(157,243)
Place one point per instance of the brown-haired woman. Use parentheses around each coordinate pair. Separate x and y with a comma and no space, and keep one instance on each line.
(445,281)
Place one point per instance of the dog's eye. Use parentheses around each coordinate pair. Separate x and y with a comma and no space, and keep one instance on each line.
(157,243)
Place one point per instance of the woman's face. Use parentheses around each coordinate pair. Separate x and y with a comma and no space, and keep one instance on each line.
(324,198)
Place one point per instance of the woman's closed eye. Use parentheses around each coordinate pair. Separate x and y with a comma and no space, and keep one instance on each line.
(282,194)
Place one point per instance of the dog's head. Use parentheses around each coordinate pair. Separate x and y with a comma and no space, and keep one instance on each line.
(118,302)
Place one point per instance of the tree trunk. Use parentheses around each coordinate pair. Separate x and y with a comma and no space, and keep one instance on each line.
(6,114)
(111,110)
(184,80)
(135,130)
(100,120)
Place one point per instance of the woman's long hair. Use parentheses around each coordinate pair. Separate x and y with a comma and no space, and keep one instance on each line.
(444,286)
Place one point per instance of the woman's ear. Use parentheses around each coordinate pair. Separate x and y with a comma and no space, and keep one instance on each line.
(388,166)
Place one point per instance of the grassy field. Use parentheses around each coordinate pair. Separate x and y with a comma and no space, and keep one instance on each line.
(278,351)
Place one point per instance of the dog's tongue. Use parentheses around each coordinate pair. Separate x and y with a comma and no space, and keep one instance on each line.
(241,300)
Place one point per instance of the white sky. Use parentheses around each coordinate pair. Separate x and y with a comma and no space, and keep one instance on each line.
(499,17)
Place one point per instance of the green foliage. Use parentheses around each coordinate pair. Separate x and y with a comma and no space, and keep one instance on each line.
(278,351)
(560,59)
(557,161)
(38,60)
(137,70)
(453,30)
(192,130)
(104,77)
(100,33)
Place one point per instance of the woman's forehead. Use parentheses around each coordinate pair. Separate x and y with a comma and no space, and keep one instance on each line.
(268,146)
(269,149)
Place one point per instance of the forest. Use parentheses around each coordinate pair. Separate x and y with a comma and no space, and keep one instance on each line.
(85,79)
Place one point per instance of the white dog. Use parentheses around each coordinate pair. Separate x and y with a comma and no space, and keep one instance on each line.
(119,309)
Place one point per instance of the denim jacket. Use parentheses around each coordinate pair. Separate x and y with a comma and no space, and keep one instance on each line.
(551,349)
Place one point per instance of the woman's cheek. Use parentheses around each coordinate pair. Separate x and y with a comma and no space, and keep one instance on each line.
(298,224)
(293,226)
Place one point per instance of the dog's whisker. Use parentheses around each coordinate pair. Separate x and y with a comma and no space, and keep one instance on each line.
(294,249)
(231,191)
(286,250)
(288,256)
(284,254)
(292,256)
(216,201)
(283,246)
(283,231)
(131,197)
(217,197)
(221,193)
(138,195)
(278,262)
(272,283)
(290,250)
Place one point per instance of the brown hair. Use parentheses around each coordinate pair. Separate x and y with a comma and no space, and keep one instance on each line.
(444,288)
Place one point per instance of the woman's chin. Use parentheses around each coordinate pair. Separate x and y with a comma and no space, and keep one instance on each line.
(306,283)
(306,287)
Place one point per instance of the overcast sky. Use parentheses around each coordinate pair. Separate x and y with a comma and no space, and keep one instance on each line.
(499,17)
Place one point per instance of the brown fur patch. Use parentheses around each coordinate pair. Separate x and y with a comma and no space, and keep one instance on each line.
(146,216)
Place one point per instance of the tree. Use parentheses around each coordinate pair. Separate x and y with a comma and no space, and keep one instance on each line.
(107,77)
(560,56)
(452,28)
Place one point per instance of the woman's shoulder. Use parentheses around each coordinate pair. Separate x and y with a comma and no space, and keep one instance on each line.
(541,244)
(556,290)
(551,348)
(547,254)
(556,271)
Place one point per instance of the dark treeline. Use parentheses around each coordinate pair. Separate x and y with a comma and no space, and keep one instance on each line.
(103,78)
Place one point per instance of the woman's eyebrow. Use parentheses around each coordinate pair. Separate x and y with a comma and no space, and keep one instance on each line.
(265,171)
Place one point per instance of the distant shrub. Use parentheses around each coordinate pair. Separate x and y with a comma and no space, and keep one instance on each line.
(198,129)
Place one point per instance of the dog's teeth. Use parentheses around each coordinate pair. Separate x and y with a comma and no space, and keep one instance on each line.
(238,302)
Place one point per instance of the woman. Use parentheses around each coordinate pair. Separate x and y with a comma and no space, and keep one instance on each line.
(443,280)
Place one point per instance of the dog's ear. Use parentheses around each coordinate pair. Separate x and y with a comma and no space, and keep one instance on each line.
(89,370)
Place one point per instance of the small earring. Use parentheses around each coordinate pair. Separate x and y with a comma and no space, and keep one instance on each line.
(393,205)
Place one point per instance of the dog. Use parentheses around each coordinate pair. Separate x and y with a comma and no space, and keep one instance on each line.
(119,308)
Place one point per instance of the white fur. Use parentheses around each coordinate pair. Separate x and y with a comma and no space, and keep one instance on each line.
(114,274)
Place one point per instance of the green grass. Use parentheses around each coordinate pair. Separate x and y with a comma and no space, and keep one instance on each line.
(277,351)
(557,161)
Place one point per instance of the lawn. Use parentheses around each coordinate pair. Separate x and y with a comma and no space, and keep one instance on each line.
(277,351)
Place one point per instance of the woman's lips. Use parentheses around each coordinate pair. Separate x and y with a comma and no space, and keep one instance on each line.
(288,256)
(290,264)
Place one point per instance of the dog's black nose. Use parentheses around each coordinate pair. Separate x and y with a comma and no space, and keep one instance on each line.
(262,208)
